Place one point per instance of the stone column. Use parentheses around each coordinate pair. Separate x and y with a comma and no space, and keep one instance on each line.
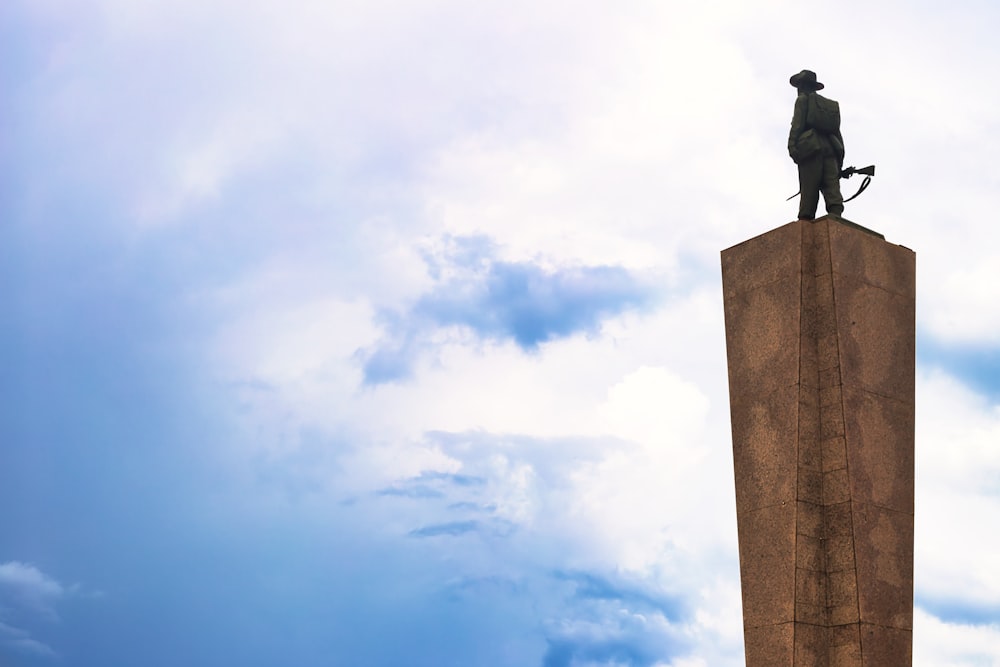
(820,340)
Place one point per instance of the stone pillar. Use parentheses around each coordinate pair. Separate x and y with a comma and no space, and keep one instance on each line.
(820,340)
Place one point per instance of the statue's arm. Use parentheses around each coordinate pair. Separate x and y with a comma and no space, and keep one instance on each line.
(798,125)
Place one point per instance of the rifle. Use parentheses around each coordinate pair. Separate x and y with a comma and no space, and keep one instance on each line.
(850,171)
(867,172)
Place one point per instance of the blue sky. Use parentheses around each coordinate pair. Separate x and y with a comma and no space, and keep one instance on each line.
(390,333)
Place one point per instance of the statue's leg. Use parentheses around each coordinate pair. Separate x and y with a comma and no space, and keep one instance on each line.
(810,173)
(831,187)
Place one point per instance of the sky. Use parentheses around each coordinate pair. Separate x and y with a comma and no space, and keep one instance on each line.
(391,333)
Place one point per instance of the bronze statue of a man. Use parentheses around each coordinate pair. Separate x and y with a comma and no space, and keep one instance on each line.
(816,146)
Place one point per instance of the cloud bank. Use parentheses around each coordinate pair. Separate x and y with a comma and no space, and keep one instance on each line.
(391,333)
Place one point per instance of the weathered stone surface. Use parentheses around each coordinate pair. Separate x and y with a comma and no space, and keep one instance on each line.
(765,453)
(770,645)
(810,644)
(820,338)
(883,542)
(845,645)
(764,259)
(879,446)
(872,354)
(769,363)
(885,647)
(767,546)
(871,259)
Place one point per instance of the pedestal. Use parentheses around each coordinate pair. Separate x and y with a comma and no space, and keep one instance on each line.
(820,341)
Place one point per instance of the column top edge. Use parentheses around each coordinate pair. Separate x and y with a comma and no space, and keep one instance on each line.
(826,218)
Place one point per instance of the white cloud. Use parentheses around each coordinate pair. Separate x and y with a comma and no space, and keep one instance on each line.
(589,134)
(349,137)
(653,406)
(32,647)
(25,584)
(25,592)
(954,306)
(937,643)
(958,488)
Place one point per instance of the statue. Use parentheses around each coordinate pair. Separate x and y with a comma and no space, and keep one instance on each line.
(816,146)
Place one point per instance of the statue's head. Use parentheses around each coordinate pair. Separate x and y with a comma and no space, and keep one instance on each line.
(805,80)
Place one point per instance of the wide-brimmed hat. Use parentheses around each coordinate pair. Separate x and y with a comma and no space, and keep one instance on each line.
(806,79)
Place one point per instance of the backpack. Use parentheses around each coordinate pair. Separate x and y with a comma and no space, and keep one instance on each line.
(823,114)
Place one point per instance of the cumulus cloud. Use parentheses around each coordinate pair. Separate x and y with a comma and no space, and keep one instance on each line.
(533,510)
(453,528)
(958,470)
(523,302)
(939,643)
(27,586)
(27,593)
(532,306)
(519,209)
(19,641)
(592,586)
(615,623)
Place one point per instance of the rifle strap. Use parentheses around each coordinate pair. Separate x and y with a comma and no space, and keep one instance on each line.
(864,184)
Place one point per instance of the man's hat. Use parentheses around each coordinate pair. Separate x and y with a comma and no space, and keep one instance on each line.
(806,79)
